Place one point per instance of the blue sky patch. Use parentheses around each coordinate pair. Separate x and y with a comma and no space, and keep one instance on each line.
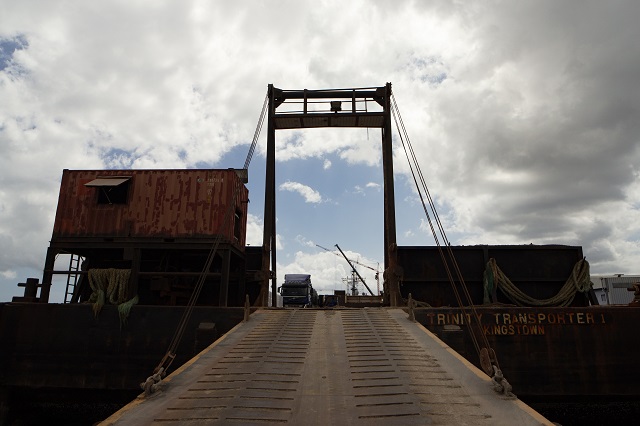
(8,47)
(116,158)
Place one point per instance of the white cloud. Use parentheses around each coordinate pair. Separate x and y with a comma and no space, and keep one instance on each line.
(358,189)
(303,241)
(374,185)
(10,275)
(254,230)
(309,194)
(523,115)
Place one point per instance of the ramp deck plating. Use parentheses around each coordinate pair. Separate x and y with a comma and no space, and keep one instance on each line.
(343,366)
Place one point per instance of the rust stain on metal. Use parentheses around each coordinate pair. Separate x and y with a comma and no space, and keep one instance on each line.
(150,203)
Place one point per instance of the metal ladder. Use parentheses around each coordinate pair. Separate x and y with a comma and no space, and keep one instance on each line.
(75,262)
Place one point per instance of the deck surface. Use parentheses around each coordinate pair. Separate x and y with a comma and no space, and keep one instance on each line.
(321,367)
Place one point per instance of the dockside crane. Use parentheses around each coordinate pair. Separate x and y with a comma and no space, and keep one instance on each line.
(377,276)
(353,268)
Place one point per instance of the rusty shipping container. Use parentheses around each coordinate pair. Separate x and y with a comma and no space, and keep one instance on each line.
(158,224)
(151,203)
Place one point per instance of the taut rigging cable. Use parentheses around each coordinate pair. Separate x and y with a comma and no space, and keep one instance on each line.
(487,356)
(168,358)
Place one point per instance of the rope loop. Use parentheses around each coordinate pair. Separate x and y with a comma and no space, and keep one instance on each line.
(579,281)
(111,285)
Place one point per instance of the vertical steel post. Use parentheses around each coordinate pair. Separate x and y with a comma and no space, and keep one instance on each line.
(390,257)
(268,237)
(274,280)
(47,275)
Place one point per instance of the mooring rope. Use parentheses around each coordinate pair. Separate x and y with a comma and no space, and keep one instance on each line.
(578,282)
(111,285)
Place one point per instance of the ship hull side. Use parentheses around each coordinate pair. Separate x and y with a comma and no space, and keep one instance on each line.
(551,353)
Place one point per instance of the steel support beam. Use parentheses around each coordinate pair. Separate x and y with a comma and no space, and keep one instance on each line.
(337,118)
(391,278)
(47,276)
(269,230)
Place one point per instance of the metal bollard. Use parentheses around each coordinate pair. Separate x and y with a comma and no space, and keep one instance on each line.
(412,315)
(247,310)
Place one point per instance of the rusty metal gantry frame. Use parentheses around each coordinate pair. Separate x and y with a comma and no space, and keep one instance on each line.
(310,111)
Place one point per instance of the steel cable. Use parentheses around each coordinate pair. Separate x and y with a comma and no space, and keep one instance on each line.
(422,188)
(177,337)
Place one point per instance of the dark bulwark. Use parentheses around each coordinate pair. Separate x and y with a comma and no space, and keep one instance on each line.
(59,359)
(582,351)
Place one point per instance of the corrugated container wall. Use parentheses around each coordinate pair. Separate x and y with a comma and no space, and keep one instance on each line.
(617,288)
(151,203)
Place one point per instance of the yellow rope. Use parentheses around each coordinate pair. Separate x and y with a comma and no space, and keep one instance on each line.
(111,285)
(578,281)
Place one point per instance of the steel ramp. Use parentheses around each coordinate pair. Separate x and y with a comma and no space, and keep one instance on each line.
(327,367)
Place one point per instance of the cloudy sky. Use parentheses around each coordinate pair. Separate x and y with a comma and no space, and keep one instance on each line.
(523,115)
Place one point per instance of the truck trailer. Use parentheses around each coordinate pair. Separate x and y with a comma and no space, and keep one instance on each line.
(298,291)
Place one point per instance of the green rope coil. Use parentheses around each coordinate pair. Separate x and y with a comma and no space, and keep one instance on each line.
(125,308)
(111,285)
(489,283)
(578,281)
